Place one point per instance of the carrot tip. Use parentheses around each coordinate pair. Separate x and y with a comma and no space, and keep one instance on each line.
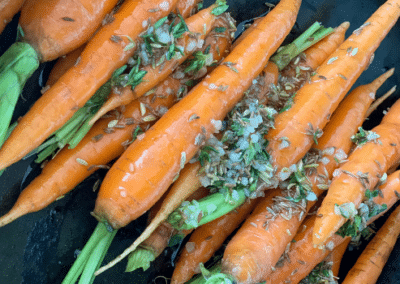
(345,25)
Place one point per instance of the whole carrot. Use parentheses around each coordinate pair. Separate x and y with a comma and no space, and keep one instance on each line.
(98,61)
(333,79)
(147,164)
(246,260)
(8,9)
(304,256)
(367,163)
(370,263)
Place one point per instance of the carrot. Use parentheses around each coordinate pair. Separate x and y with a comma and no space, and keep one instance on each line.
(363,169)
(205,241)
(304,256)
(246,260)
(374,106)
(148,164)
(159,239)
(199,24)
(333,79)
(371,261)
(336,256)
(98,61)
(8,9)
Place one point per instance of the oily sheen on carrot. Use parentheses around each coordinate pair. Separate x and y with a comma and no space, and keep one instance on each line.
(332,81)
(55,28)
(372,260)
(247,261)
(8,8)
(206,240)
(148,167)
(304,256)
(372,159)
(97,63)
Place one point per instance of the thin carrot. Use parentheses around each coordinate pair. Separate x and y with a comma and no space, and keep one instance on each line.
(336,256)
(147,164)
(206,240)
(159,239)
(371,261)
(364,167)
(8,9)
(333,79)
(246,260)
(199,24)
(374,106)
(304,256)
(98,61)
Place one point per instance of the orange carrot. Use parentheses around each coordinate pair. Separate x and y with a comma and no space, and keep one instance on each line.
(372,260)
(304,256)
(374,106)
(364,168)
(333,79)
(98,61)
(147,164)
(199,24)
(246,260)
(8,8)
(336,256)
(206,240)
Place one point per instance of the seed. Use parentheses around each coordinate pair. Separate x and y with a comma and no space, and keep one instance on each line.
(82,162)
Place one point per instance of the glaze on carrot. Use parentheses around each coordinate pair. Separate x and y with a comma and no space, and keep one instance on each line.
(98,61)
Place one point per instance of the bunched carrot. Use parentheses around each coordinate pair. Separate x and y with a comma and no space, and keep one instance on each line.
(304,256)
(146,163)
(98,61)
(336,256)
(8,8)
(364,168)
(333,79)
(246,261)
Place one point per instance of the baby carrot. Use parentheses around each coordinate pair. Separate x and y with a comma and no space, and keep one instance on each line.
(371,261)
(364,168)
(246,260)
(147,164)
(98,61)
(333,79)
(304,256)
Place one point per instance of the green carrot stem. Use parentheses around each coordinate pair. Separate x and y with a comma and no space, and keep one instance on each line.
(196,213)
(310,37)
(17,64)
(80,133)
(71,125)
(140,258)
(46,153)
(96,257)
(206,274)
(98,234)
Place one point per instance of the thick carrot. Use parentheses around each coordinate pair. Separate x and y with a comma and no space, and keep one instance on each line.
(206,240)
(372,260)
(364,168)
(98,61)
(159,239)
(246,260)
(8,8)
(147,164)
(333,79)
(199,24)
(304,256)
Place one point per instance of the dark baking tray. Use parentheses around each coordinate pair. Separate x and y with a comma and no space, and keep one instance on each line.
(40,247)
